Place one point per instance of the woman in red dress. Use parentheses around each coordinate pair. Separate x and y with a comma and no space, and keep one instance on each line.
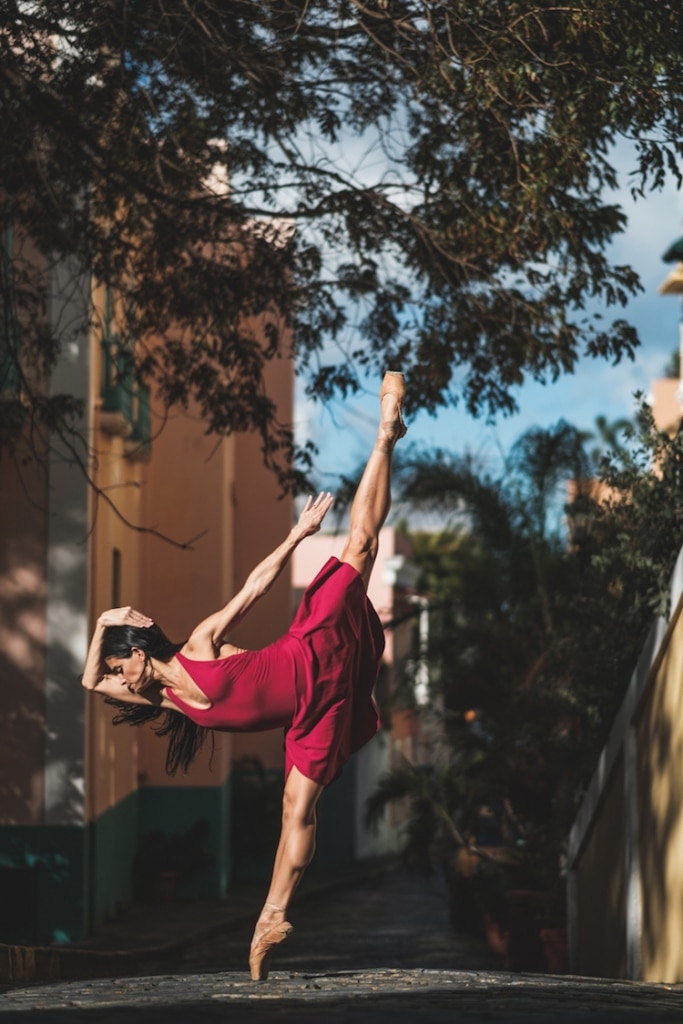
(316,681)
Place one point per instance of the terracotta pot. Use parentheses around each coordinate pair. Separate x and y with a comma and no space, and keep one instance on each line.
(525,949)
(555,950)
(165,885)
(497,939)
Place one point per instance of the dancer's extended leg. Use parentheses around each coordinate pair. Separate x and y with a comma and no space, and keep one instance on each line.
(372,501)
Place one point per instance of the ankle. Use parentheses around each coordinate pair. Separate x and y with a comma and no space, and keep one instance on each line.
(274,908)
(388,434)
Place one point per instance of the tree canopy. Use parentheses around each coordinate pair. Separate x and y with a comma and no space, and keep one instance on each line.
(404,183)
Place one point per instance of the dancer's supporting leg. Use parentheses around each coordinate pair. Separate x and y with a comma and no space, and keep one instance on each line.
(294,853)
(297,838)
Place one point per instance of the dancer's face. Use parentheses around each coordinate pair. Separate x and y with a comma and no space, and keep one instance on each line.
(134,672)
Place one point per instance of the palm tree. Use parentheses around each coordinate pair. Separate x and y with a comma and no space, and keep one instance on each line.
(610,436)
(500,577)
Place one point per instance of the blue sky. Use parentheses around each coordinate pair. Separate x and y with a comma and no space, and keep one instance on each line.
(343,430)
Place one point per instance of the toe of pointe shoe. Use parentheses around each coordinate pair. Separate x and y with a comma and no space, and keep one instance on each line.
(259,958)
(394,384)
(259,967)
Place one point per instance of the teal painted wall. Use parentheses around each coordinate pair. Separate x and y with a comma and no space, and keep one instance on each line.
(177,812)
(57,883)
(256,817)
(336,821)
(256,794)
(43,873)
(114,839)
(146,833)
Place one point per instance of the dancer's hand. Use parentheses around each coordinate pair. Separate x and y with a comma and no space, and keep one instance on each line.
(124,617)
(314,512)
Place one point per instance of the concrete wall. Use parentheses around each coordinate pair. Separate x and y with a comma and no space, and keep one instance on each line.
(24,519)
(44,598)
(23,597)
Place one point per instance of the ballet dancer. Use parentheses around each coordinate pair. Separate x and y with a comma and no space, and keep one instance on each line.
(315,682)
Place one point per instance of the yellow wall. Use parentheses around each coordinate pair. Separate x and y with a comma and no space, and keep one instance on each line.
(223,512)
(263,518)
(601,888)
(660,812)
(188,496)
(112,771)
(653,713)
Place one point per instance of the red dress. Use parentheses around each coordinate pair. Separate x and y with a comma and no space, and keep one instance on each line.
(316,681)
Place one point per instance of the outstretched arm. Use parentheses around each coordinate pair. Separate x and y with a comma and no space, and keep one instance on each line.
(212,630)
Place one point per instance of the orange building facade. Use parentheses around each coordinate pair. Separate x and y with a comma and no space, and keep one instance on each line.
(174,522)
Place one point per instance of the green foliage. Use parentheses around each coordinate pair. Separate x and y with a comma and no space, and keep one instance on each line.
(409,185)
(637,523)
(535,633)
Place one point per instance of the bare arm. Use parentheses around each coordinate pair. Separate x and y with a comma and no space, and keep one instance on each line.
(260,580)
(94,675)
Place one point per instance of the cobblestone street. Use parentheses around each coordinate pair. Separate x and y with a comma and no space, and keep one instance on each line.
(388,921)
(381,949)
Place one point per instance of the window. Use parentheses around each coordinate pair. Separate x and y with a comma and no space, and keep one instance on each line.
(125,402)
(115,578)
(117,367)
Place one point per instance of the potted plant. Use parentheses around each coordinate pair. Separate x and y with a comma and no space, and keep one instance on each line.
(163,861)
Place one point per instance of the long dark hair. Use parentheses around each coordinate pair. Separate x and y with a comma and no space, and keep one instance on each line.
(185,737)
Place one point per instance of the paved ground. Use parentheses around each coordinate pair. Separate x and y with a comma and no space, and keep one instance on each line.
(373,951)
(389,920)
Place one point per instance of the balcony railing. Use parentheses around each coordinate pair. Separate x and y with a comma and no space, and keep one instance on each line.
(139,443)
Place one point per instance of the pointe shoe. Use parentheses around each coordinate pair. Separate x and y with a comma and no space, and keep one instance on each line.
(394,384)
(259,958)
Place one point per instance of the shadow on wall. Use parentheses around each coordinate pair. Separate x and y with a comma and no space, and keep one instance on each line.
(41,868)
(660,816)
(42,839)
(22,713)
(65,738)
(41,707)
(22,677)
